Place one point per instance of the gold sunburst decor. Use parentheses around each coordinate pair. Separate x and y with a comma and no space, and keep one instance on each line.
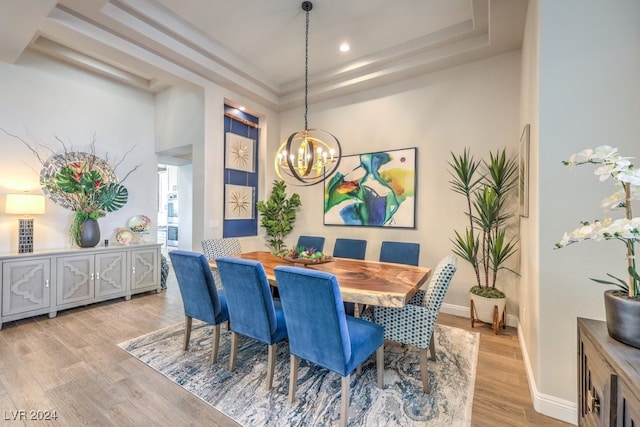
(240,153)
(239,202)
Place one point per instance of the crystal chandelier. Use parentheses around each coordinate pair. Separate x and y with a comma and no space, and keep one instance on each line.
(309,156)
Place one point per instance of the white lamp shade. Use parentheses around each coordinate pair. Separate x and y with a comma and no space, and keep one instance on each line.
(24,204)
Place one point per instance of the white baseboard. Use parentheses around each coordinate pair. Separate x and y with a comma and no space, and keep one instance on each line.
(545,404)
(548,405)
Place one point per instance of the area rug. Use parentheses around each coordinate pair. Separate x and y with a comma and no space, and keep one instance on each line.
(242,394)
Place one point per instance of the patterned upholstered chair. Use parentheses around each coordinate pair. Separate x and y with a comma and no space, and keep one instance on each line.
(414,323)
(200,298)
(252,310)
(321,333)
(400,252)
(214,248)
(316,242)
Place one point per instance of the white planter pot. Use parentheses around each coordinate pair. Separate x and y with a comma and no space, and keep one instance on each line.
(488,310)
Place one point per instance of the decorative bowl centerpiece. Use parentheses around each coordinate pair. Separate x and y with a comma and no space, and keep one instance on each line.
(306,256)
(124,236)
(140,224)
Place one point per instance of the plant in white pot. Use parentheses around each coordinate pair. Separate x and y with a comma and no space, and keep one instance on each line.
(622,306)
(486,242)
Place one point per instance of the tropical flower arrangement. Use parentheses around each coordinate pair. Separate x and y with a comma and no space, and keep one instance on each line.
(304,255)
(87,192)
(79,181)
(625,230)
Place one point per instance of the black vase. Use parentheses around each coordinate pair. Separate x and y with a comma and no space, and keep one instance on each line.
(623,318)
(89,234)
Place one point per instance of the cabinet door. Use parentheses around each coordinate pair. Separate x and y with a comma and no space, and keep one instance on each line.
(111,274)
(75,279)
(145,269)
(26,285)
(628,413)
(596,376)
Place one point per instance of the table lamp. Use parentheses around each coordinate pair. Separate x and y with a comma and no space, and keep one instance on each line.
(25,204)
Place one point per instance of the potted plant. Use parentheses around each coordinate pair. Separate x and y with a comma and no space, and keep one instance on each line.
(622,305)
(485,243)
(278,215)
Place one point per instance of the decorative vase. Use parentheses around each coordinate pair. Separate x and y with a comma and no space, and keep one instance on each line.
(488,310)
(623,317)
(89,233)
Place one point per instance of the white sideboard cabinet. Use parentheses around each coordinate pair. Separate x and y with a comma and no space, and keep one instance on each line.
(47,281)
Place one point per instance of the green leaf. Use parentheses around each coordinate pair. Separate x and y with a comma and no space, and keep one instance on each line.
(112,197)
(618,282)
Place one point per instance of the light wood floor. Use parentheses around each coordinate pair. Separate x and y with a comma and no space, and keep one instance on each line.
(72,365)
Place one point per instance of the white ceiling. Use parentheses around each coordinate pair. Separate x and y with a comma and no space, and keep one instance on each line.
(256,47)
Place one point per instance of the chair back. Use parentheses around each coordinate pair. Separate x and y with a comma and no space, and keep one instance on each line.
(400,252)
(350,248)
(316,242)
(439,283)
(246,287)
(314,313)
(215,248)
(197,287)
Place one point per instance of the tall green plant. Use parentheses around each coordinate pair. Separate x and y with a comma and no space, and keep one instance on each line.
(486,187)
(278,215)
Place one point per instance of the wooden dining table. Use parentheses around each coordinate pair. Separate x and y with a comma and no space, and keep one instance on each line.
(361,281)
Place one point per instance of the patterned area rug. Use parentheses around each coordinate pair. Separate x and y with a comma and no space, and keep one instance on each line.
(242,395)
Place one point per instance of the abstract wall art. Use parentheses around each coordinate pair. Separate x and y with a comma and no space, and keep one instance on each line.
(373,190)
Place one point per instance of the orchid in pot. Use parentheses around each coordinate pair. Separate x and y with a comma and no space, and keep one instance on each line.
(623,303)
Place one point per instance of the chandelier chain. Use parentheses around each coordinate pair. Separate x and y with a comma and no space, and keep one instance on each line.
(306,70)
(310,156)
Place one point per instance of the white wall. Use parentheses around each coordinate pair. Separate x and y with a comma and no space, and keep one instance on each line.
(474,105)
(47,99)
(528,290)
(589,95)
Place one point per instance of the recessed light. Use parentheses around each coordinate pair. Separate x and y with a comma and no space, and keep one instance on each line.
(344,47)
(242,108)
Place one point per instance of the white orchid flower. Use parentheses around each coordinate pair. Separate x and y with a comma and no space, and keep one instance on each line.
(605,153)
(581,157)
(631,176)
(604,171)
(614,201)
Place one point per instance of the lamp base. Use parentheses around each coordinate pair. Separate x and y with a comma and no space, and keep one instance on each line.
(25,235)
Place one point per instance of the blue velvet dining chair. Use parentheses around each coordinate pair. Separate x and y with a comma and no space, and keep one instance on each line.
(316,242)
(200,298)
(252,310)
(414,323)
(400,252)
(214,248)
(321,333)
(350,248)
(354,249)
